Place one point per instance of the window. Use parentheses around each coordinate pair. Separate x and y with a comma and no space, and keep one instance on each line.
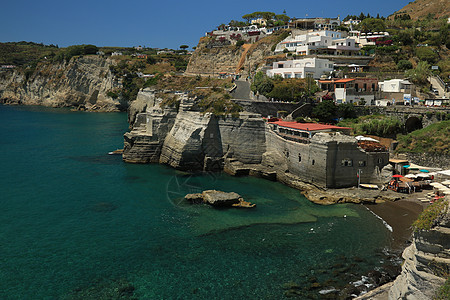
(280,66)
(346,162)
(380,160)
(299,157)
(362,163)
(313,161)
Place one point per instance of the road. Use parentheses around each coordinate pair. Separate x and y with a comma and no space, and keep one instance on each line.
(242,90)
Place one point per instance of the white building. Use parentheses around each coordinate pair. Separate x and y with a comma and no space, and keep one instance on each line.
(301,68)
(366,38)
(395,86)
(325,41)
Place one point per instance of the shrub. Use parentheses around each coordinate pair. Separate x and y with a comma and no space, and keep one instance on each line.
(444,291)
(239,43)
(112,95)
(431,215)
(404,65)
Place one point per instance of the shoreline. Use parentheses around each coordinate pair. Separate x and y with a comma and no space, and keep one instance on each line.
(400,215)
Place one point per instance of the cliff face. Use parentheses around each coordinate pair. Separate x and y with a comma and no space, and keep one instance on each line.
(427,259)
(229,58)
(187,139)
(82,83)
(421,8)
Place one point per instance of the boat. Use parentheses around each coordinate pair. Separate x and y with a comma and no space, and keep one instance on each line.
(369,186)
(116,152)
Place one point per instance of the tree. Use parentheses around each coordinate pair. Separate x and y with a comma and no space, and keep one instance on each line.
(283,18)
(419,75)
(427,54)
(267,15)
(325,111)
(346,111)
(404,38)
(404,65)
(90,49)
(295,89)
(184,47)
(372,25)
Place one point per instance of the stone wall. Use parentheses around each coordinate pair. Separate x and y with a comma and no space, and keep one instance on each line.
(266,108)
(429,160)
(320,162)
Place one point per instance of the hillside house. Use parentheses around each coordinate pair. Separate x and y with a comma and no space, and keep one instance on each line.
(301,68)
(316,23)
(351,90)
(319,42)
(396,86)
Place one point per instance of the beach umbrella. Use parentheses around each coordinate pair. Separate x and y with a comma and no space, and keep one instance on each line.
(447,182)
(397,176)
(406,166)
(424,171)
(410,176)
(423,175)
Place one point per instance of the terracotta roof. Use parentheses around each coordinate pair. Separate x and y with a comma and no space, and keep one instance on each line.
(343,80)
(306,126)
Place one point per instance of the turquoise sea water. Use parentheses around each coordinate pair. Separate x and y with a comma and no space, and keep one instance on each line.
(77,223)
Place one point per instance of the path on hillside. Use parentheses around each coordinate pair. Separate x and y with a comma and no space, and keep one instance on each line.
(436,84)
(243,56)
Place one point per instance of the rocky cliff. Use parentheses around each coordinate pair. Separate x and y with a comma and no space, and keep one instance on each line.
(82,83)
(207,60)
(185,138)
(427,262)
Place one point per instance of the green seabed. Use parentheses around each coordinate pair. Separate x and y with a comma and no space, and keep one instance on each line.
(275,204)
(80,224)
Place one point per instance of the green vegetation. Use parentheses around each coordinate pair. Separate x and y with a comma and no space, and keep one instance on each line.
(372,25)
(378,125)
(432,139)
(328,112)
(419,74)
(444,291)
(219,104)
(211,93)
(410,43)
(22,54)
(271,18)
(431,215)
(290,89)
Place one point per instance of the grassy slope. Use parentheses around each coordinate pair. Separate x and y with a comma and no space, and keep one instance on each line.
(432,139)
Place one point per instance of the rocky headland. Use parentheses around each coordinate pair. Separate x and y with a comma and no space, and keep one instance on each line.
(82,83)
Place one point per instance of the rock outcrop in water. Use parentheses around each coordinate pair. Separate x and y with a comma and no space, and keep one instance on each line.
(219,199)
(82,83)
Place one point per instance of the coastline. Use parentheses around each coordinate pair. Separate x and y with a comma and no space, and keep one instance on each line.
(399,215)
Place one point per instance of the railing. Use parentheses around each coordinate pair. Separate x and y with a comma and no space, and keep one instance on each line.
(441,82)
(293,138)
